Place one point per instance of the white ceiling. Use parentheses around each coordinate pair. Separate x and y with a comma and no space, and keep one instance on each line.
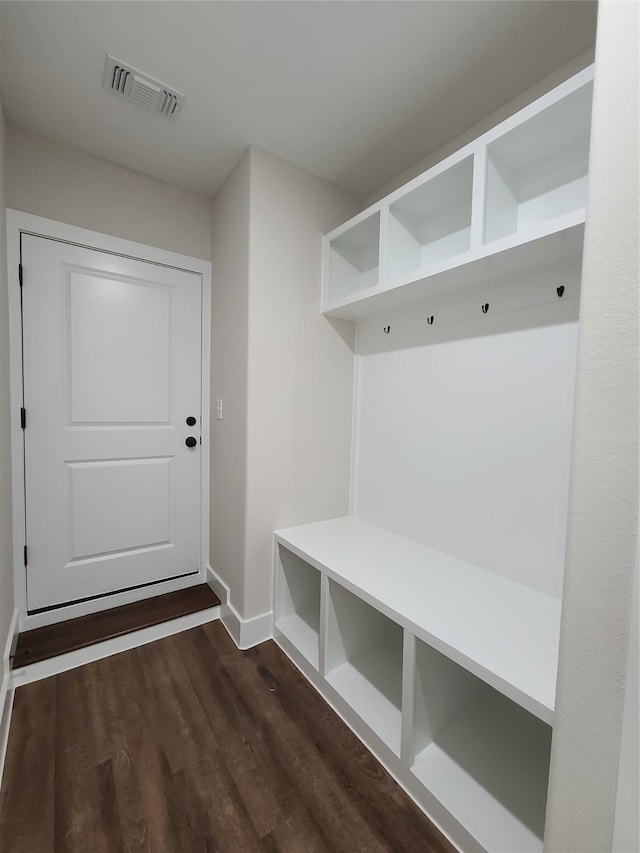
(354,92)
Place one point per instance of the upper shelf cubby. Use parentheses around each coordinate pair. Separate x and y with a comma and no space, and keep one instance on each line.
(520,184)
(353,259)
(537,172)
(432,223)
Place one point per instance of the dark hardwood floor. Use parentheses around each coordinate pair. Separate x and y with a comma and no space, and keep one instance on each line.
(187,745)
(44,643)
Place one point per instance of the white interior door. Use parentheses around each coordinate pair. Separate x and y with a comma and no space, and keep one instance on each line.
(112,361)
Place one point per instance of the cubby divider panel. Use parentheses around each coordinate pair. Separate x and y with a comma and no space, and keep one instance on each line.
(298,606)
(364,663)
(431,223)
(484,758)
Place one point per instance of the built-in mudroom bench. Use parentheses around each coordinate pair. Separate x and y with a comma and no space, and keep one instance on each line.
(410,645)
(429,618)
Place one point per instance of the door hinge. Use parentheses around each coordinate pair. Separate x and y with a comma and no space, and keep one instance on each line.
(23,418)
(25,555)
(20,274)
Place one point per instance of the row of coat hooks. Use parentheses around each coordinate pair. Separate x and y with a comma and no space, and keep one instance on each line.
(485,310)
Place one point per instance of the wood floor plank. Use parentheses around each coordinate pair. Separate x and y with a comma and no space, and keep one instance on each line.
(172,710)
(167,828)
(133,820)
(192,790)
(305,764)
(52,640)
(265,788)
(76,789)
(265,792)
(189,745)
(27,796)
(103,698)
(109,817)
(172,716)
(298,833)
(232,828)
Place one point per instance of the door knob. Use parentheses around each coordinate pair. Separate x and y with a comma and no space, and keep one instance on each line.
(191,441)
(191,421)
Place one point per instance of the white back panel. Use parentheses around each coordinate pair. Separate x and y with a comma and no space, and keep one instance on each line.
(463,435)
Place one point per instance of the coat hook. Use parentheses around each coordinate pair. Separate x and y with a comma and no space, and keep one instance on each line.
(560,290)
(485,307)
(386,330)
(430,320)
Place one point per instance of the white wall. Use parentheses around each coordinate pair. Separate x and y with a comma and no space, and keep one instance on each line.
(229,359)
(281,453)
(603,509)
(6,553)
(626,831)
(53,180)
(300,382)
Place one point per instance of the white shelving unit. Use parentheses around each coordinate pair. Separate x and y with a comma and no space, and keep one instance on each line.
(445,670)
(525,180)
(475,708)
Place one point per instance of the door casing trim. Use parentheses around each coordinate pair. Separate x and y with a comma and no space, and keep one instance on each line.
(25,223)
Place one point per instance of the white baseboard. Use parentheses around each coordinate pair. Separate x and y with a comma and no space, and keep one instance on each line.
(6,688)
(216,583)
(7,653)
(245,633)
(5,724)
(62,663)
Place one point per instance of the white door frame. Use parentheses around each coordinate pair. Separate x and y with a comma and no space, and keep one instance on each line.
(24,223)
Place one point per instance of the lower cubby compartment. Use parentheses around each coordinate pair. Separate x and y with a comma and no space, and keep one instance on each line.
(364,663)
(298,604)
(484,758)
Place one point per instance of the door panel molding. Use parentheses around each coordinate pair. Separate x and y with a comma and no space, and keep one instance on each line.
(19,223)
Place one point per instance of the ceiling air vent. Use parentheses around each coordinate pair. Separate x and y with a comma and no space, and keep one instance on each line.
(140,89)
